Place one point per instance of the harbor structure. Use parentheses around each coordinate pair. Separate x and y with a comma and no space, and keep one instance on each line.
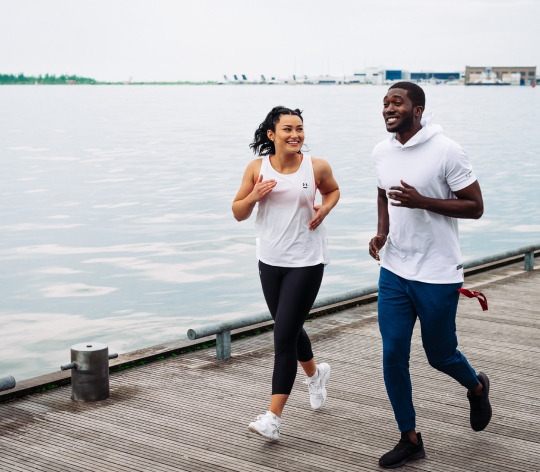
(439,76)
(371,75)
(360,77)
(490,78)
(326,80)
(395,75)
(380,75)
(527,75)
(355,79)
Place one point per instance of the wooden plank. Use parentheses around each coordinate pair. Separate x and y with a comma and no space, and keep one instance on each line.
(190,413)
(175,415)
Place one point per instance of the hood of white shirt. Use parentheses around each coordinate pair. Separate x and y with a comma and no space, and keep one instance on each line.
(427,132)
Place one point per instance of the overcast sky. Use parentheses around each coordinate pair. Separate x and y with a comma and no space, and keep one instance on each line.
(204,39)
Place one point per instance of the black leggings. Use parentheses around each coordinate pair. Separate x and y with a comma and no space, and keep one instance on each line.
(289,293)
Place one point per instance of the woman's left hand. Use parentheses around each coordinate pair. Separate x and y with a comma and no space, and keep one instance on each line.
(321,212)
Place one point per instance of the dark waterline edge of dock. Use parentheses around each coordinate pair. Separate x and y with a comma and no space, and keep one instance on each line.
(178,347)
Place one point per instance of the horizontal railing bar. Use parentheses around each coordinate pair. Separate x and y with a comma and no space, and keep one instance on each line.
(236,323)
(214,328)
(500,256)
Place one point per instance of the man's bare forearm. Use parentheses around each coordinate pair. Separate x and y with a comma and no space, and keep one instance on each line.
(383,224)
(468,204)
(455,208)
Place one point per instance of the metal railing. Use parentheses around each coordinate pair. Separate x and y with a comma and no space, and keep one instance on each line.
(223,329)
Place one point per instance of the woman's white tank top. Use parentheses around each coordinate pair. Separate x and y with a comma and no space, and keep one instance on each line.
(283,219)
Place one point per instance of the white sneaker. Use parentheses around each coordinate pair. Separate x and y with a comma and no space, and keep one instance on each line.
(317,388)
(266,425)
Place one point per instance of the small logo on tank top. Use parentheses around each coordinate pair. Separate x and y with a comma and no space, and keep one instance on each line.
(304,185)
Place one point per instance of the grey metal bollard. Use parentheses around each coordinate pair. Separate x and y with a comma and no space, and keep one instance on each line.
(90,376)
(223,345)
(7,383)
(529,260)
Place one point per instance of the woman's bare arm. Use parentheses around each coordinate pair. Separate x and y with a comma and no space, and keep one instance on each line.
(329,189)
(252,189)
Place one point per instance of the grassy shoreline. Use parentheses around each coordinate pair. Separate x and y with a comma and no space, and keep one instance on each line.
(111,83)
(21,79)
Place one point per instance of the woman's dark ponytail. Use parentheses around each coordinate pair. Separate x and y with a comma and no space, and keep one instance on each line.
(262,145)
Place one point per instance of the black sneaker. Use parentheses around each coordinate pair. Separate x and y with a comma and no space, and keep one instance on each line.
(480,406)
(405,451)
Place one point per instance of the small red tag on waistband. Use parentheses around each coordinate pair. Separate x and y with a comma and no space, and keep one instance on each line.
(472,294)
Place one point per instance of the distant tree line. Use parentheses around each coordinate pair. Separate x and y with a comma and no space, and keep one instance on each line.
(10,79)
(44,79)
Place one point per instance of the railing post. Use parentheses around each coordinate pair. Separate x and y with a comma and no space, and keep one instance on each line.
(223,345)
(7,383)
(529,260)
(89,371)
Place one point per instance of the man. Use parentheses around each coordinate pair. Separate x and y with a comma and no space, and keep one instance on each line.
(429,182)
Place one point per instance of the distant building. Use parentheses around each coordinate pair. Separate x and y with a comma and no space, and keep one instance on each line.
(527,74)
(358,77)
(418,76)
(380,75)
(373,76)
(395,75)
(355,79)
(325,80)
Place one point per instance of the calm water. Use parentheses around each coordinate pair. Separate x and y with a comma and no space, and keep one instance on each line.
(115,202)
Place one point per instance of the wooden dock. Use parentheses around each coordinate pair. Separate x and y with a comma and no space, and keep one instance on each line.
(190,412)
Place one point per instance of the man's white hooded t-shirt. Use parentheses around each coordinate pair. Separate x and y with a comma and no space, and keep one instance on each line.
(423,245)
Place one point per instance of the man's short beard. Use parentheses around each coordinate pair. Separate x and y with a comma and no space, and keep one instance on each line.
(405,125)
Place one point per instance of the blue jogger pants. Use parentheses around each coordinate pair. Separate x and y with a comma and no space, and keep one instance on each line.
(400,302)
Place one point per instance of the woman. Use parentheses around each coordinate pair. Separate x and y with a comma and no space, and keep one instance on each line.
(292,249)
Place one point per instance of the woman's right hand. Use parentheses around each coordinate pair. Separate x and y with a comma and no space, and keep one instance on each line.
(261,189)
